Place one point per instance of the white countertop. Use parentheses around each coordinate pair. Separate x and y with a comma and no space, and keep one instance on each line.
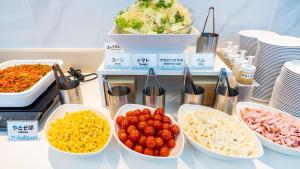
(37,154)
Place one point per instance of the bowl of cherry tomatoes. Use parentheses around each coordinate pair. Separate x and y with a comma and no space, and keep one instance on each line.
(147,132)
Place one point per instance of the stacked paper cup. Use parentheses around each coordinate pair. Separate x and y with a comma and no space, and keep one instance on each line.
(286,93)
(248,39)
(272,53)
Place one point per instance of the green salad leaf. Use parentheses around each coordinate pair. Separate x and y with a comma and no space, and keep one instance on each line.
(178,17)
(121,22)
(160,29)
(163,4)
(144,3)
(136,24)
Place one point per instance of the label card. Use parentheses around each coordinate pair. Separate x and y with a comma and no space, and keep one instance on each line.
(112,47)
(22,130)
(144,61)
(201,61)
(117,61)
(171,61)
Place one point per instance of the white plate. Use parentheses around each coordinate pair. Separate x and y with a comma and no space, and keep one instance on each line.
(155,42)
(293,66)
(174,153)
(25,98)
(281,40)
(266,142)
(71,108)
(189,108)
(256,33)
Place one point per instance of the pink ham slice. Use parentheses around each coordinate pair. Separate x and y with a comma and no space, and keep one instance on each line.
(275,126)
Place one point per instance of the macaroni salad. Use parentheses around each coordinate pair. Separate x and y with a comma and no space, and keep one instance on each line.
(220,134)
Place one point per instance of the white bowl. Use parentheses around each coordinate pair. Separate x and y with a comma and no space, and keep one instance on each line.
(266,142)
(174,153)
(60,113)
(25,98)
(155,42)
(189,108)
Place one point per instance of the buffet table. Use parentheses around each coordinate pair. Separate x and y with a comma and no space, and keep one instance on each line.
(38,155)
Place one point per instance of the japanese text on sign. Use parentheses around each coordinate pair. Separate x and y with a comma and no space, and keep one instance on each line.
(117,61)
(22,130)
(171,61)
(144,61)
(201,61)
(112,48)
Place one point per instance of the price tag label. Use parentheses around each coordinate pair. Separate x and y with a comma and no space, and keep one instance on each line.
(112,47)
(201,61)
(117,61)
(171,61)
(144,61)
(22,130)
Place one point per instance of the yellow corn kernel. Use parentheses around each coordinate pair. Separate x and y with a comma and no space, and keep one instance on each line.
(79,132)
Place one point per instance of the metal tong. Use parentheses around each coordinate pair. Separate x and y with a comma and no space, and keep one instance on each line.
(223,77)
(155,92)
(213,12)
(62,81)
(187,79)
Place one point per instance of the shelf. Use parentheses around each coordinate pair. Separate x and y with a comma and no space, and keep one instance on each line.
(213,72)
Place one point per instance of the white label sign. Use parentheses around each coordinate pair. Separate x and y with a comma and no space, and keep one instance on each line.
(171,61)
(22,130)
(144,61)
(117,61)
(201,61)
(112,47)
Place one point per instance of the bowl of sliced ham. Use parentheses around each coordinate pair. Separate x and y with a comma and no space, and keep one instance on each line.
(276,129)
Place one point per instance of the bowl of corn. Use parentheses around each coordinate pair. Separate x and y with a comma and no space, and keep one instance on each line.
(78,130)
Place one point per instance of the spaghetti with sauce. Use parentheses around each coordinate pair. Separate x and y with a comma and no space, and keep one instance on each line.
(21,77)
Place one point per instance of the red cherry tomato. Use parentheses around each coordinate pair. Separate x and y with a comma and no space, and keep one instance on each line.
(150,122)
(134,120)
(166,119)
(124,124)
(121,130)
(130,128)
(164,151)
(129,113)
(159,142)
(142,140)
(150,142)
(138,148)
(122,135)
(142,117)
(119,120)
(146,111)
(148,151)
(157,124)
(158,132)
(156,152)
(129,143)
(160,111)
(142,125)
(166,126)
(157,117)
(149,131)
(171,143)
(137,112)
(134,135)
(166,134)
(175,129)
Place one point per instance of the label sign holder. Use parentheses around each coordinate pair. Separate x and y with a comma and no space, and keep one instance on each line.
(171,61)
(22,130)
(204,61)
(117,61)
(144,61)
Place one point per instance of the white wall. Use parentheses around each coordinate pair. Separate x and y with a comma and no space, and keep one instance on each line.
(84,23)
